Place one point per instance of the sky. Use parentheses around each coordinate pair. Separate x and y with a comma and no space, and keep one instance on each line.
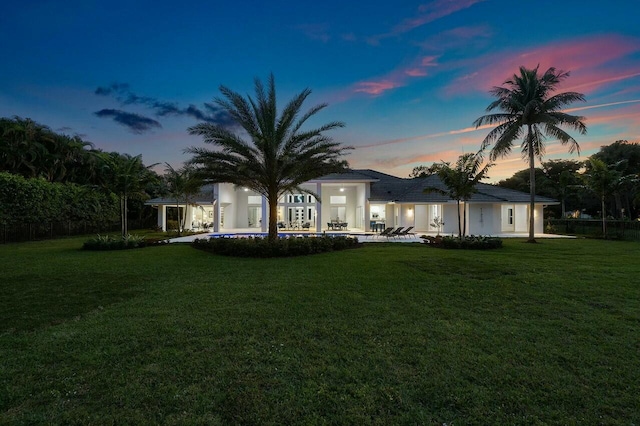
(407,79)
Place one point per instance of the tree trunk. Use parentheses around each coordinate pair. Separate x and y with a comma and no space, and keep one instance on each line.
(464,219)
(273,217)
(532,188)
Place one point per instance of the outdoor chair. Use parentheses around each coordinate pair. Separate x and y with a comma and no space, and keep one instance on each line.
(407,232)
(397,232)
(386,232)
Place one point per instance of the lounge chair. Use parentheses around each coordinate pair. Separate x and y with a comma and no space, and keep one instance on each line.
(386,232)
(397,232)
(407,232)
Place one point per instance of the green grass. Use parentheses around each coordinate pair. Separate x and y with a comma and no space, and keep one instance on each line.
(386,334)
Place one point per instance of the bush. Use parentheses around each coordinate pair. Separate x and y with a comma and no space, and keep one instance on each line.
(282,247)
(107,242)
(472,242)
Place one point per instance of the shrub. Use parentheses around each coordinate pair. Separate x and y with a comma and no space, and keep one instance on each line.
(282,247)
(107,242)
(472,242)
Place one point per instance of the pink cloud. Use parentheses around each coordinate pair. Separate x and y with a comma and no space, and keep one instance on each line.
(584,58)
(394,79)
(433,11)
(429,61)
(426,13)
(375,87)
(416,72)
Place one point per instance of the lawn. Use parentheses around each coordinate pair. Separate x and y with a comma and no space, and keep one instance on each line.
(385,334)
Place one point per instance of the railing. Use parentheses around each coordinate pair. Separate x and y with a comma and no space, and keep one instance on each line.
(46,231)
(623,229)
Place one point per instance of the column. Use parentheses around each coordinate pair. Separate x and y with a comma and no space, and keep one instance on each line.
(162,217)
(265,215)
(319,208)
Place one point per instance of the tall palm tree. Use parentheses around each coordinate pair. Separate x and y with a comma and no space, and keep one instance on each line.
(183,184)
(125,176)
(529,109)
(460,182)
(278,155)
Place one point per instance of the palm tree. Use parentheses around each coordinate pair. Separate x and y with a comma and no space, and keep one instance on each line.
(125,176)
(278,156)
(460,182)
(528,109)
(183,185)
(601,179)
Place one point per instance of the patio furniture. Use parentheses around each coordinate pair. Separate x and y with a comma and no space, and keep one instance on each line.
(407,232)
(397,232)
(306,226)
(386,232)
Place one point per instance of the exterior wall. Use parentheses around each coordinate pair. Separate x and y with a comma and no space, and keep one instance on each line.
(241,218)
(407,215)
(390,215)
(538,226)
(361,218)
(421,219)
(521,218)
(162,217)
(450,217)
(480,219)
(226,200)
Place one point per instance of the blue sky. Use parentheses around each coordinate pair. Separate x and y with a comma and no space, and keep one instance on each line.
(408,80)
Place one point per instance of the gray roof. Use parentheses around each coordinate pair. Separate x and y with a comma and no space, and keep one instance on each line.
(351,175)
(401,190)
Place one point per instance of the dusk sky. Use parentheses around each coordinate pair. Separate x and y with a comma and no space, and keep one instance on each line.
(407,78)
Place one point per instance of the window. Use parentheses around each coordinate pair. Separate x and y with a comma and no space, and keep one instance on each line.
(295,198)
(338,199)
(510,216)
(255,199)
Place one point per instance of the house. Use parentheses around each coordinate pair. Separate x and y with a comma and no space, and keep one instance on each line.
(360,201)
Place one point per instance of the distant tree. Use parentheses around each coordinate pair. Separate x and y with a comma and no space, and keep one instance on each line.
(30,149)
(278,157)
(460,182)
(424,171)
(183,185)
(561,180)
(22,146)
(629,154)
(125,176)
(520,181)
(601,180)
(528,109)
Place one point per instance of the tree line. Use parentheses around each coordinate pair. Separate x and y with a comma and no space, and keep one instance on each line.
(47,176)
(606,184)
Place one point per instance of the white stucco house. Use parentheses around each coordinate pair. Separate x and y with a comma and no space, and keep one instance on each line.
(360,201)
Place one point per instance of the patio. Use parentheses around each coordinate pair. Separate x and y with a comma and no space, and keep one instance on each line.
(364,237)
